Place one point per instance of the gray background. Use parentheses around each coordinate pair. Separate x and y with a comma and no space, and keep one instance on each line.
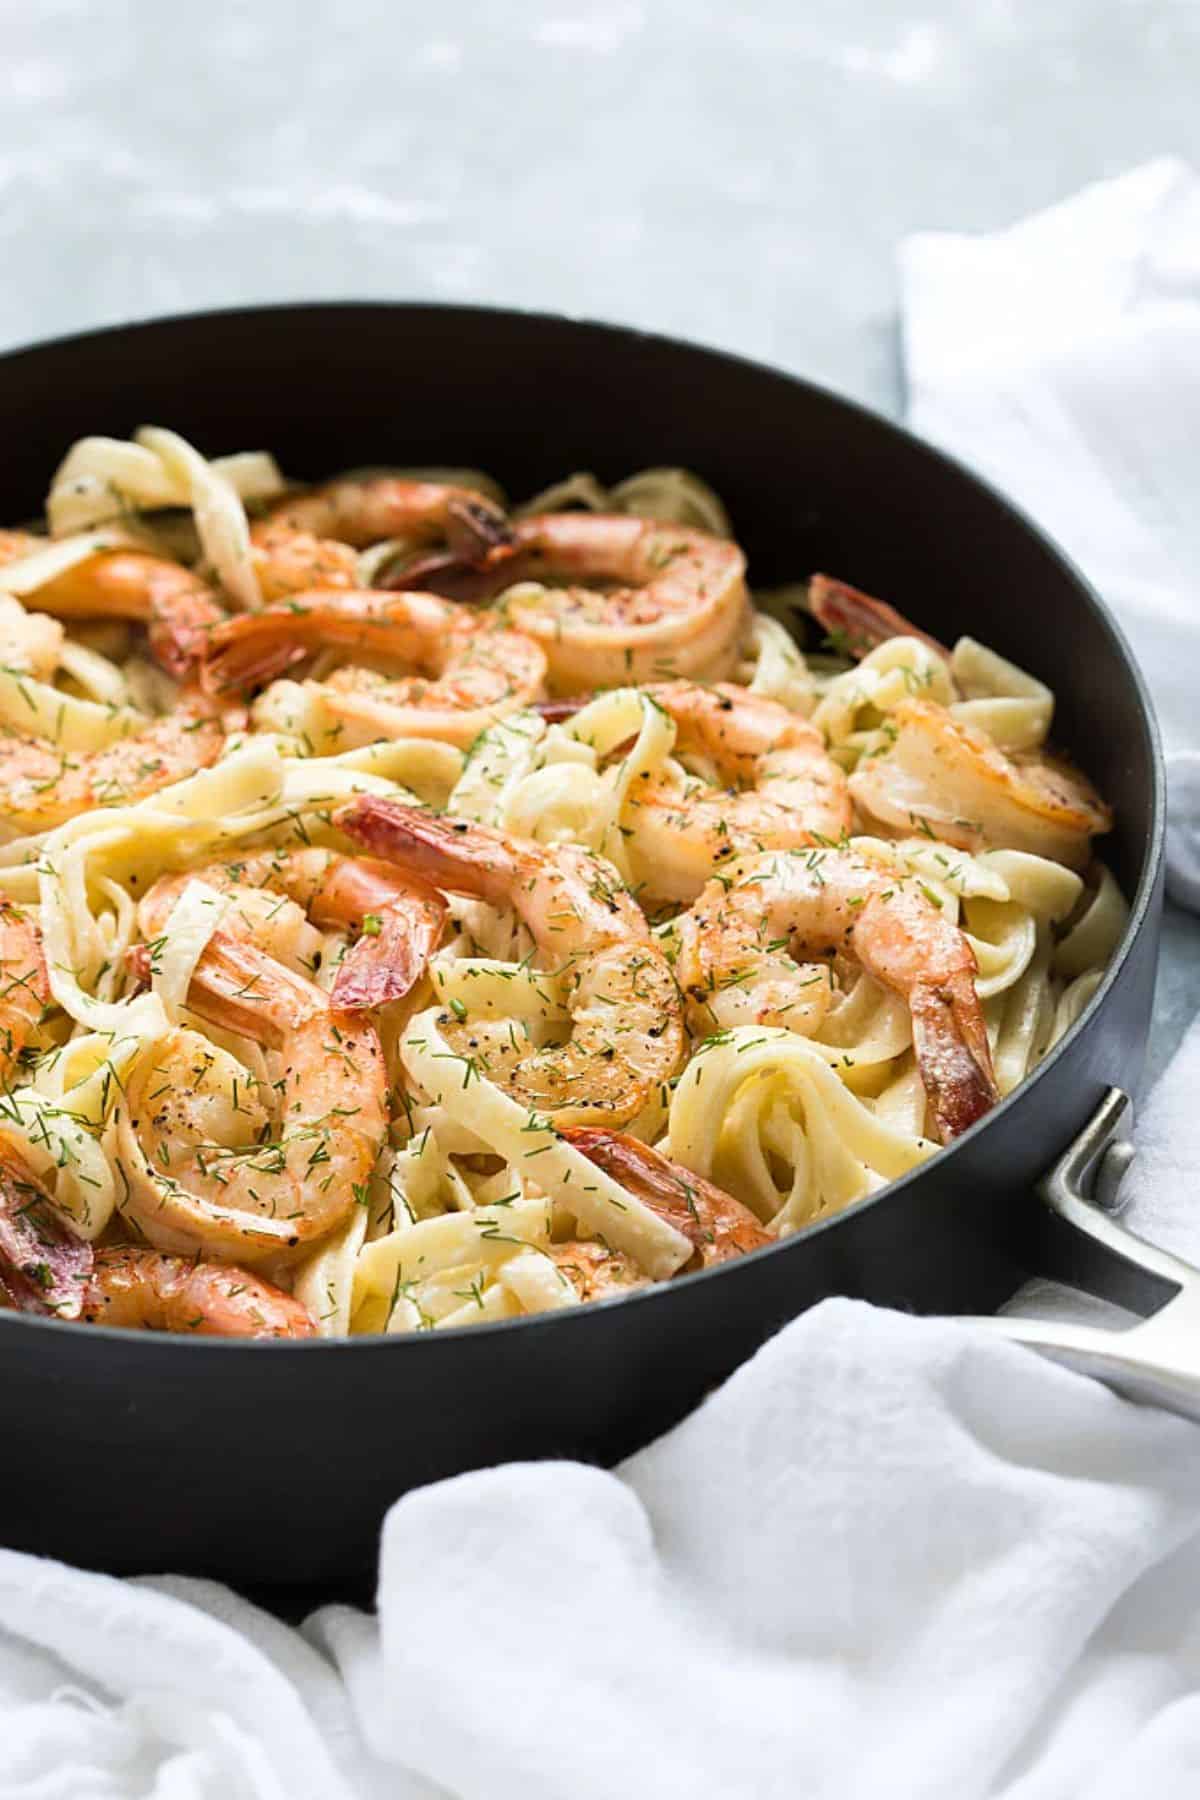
(738,174)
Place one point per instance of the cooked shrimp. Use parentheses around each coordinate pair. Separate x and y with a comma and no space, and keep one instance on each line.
(223,1180)
(719,1226)
(626,1036)
(42,786)
(642,601)
(595,1271)
(308,541)
(46,1269)
(826,903)
(401,920)
(288,561)
(177,608)
(856,622)
(783,788)
(948,778)
(472,670)
(362,510)
(16,544)
(147,1290)
(24,985)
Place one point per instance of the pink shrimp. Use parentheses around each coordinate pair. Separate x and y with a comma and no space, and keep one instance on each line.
(856,622)
(43,786)
(310,540)
(781,789)
(626,1040)
(719,1226)
(744,934)
(48,1271)
(965,790)
(362,510)
(469,669)
(177,607)
(304,1147)
(24,985)
(401,920)
(147,1290)
(617,599)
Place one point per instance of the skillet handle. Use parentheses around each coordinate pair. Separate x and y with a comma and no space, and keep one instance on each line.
(1158,1360)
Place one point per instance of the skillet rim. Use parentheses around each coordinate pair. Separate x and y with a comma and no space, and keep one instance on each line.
(912,445)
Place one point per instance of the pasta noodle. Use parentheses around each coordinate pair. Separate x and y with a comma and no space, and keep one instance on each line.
(764,1114)
(255,819)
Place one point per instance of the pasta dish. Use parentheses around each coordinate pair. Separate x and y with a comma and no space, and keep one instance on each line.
(418,910)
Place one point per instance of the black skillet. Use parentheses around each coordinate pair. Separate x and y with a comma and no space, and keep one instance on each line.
(274,1463)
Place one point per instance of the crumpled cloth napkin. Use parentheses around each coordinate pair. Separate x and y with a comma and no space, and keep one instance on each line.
(1061,358)
(888,1557)
(891,1555)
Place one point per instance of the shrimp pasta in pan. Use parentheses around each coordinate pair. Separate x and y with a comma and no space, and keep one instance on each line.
(419,909)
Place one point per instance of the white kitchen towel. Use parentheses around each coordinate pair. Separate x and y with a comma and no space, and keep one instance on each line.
(891,1556)
(1061,358)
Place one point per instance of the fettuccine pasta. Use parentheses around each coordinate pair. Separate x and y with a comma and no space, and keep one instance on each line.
(417,911)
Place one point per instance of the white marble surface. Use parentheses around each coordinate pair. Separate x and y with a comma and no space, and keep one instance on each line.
(738,174)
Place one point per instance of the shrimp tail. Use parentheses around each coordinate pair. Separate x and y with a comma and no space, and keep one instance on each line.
(26,983)
(858,623)
(179,639)
(476,563)
(139,966)
(556,711)
(450,577)
(476,528)
(470,580)
(256,647)
(250,651)
(44,1267)
(952,1053)
(392,954)
(712,1220)
(240,987)
(454,854)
